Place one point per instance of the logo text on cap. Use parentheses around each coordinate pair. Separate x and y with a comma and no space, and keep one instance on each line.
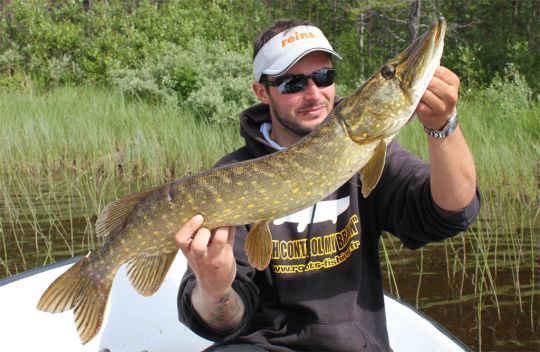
(295,37)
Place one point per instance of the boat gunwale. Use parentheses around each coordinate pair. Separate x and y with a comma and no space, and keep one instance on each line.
(68,261)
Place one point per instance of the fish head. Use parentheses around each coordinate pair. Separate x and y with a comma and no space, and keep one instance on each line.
(388,99)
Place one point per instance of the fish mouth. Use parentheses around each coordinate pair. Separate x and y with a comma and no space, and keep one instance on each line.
(390,96)
(441,28)
(418,62)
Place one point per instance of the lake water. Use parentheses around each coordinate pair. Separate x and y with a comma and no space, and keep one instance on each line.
(483,289)
(483,308)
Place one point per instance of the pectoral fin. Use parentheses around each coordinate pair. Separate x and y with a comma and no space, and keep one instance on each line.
(371,173)
(258,246)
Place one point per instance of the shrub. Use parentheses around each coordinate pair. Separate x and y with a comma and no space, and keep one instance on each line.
(510,93)
(210,80)
(55,42)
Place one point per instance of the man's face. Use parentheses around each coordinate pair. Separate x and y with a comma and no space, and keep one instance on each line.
(297,114)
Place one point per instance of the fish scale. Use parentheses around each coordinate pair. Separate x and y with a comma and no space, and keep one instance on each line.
(139,229)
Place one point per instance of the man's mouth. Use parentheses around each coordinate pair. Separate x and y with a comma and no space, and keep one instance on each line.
(313,110)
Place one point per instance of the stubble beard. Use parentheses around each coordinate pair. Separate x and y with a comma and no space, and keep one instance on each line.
(291,125)
(288,121)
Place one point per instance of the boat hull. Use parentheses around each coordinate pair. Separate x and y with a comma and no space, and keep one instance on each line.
(137,323)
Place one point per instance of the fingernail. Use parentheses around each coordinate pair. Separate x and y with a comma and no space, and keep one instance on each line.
(198,219)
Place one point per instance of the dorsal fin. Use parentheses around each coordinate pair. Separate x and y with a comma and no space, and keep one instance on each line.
(115,213)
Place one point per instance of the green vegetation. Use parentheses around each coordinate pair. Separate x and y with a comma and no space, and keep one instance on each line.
(81,129)
(503,129)
(173,50)
(67,153)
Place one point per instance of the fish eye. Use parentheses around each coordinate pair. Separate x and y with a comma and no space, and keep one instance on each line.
(388,71)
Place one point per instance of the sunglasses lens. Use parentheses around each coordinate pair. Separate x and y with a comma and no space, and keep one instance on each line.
(296,83)
(324,77)
(293,84)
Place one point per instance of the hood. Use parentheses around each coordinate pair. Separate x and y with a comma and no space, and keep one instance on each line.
(251,120)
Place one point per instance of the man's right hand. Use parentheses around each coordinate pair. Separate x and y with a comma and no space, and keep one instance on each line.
(210,256)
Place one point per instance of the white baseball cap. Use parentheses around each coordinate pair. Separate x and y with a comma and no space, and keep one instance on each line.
(285,49)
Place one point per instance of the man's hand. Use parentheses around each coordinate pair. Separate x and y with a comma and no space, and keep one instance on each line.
(453,175)
(439,100)
(210,256)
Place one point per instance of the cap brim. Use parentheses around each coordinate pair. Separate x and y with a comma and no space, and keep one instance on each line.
(284,63)
(285,49)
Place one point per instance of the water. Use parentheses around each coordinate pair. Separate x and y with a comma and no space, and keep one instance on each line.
(487,311)
(481,287)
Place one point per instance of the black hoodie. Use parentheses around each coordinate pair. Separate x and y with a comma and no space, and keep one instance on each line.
(323,290)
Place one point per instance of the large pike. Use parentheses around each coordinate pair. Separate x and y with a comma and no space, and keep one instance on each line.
(139,229)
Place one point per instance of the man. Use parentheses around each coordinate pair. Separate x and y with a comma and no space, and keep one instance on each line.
(331,298)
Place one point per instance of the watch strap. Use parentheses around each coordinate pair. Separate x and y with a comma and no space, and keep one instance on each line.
(448,128)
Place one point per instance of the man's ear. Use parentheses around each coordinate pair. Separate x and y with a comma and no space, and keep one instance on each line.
(261,92)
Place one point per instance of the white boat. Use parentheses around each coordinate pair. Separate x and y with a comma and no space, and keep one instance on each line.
(134,323)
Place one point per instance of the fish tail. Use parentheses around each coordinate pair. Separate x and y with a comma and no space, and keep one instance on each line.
(76,290)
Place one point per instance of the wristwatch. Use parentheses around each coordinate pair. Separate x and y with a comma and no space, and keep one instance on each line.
(448,128)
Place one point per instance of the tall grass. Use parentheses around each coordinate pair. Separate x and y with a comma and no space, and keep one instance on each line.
(87,129)
(502,127)
(67,153)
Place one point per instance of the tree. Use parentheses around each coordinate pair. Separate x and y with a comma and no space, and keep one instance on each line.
(414,20)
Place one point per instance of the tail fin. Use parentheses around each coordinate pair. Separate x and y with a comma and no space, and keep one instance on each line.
(75,290)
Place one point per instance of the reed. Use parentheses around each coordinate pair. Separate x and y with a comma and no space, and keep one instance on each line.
(93,130)
(504,138)
(67,153)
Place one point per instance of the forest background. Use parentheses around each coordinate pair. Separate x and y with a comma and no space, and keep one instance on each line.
(198,52)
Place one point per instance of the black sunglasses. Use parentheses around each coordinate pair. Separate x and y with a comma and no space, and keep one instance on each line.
(296,83)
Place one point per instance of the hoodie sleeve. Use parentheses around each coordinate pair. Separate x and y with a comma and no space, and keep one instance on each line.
(406,207)
(243,285)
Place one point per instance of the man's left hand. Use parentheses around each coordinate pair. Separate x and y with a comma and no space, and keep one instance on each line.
(439,100)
